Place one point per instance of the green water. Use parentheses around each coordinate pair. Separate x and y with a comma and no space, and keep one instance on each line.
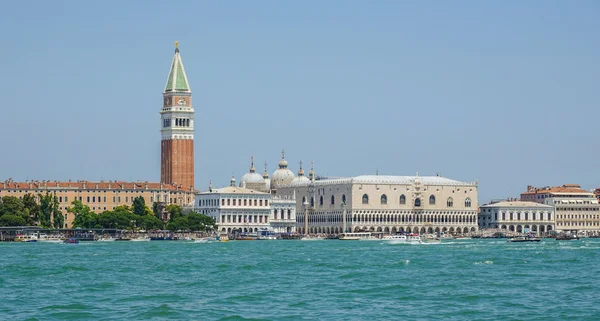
(287,280)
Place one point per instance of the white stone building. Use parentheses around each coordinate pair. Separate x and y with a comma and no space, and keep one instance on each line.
(388,204)
(518,216)
(236,209)
(577,215)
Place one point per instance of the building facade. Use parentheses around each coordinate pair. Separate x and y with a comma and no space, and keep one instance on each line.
(283,214)
(518,216)
(236,209)
(177,131)
(576,210)
(99,196)
(388,204)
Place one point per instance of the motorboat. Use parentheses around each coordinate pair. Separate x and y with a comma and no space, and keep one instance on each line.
(566,237)
(141,239)
(28,238)
(359,236)
(403,239)
(206,240)
(71,240)
(311,238)
(527,238)
(44,238)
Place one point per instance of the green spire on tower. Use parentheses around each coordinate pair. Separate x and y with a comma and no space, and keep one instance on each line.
(177,81)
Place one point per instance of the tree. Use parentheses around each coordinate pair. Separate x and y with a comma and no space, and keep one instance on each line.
(175,211)
(178,224)
(139,206)
(149,222)
(46,208)
(12,220)
(58,219)
(11,205)
(32,207)
(84,217)
(201,222)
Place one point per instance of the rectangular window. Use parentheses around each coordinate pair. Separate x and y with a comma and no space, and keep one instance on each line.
(66,199)
(60,199)
(255,202)
(151,199)
(266,203)
(222,202)
(234,202)
(88,199)
(119,199)
(104,199)
(228,202)
(93,199)
(126,199)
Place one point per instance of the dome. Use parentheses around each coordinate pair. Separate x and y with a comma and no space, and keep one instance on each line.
(282,176)
(300,179)
(252,179)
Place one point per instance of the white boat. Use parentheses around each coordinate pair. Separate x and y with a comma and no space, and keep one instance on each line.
(141,239)
(106,239)
(206,240)
(311,238)
(359,236)
(265,235)
(403,239)
(43,238)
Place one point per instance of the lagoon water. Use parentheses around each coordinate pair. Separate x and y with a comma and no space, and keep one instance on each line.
(299,280)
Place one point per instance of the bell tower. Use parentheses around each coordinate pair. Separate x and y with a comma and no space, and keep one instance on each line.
(177,128)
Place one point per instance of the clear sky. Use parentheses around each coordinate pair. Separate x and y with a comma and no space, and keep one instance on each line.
(506,92)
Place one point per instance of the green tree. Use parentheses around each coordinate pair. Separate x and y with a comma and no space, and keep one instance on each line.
(175,211)
(139,206)
(84,217)
(11,205)
(12,220)
(149,222)
(178,224)
(156,210)
(46,208)
(201,222)
(32,208)
(58,219)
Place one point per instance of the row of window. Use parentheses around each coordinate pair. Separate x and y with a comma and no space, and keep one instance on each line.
(244,219)
(282,213)
(366,219)
(525,216)
(384,200)
(179,122)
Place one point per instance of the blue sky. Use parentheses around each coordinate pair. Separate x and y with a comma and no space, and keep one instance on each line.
(506,92)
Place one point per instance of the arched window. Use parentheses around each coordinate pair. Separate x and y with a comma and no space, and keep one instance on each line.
(275,212)
(344,198)
(402,199)
(321,200)
(449,202)
(312,201)
(383,199)
(365,199)
(332,200)
(468,202)
(417,202)
(431,200)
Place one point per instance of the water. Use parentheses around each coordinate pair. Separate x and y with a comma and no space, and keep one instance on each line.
(276,280)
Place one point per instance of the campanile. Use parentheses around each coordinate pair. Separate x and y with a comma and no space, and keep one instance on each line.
(177,128)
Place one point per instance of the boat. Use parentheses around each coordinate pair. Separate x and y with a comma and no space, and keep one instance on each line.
(359,236)
(265,235)
(246,237)
(566,237)
(71,240)
(223,238)
(206,240)
(311,238)
(527,238)
(106,239)
(141,239)
(461,237)
(25,238)
(403,239)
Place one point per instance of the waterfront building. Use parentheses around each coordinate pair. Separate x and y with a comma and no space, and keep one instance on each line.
(518,216)
(99,196)
(236,209)
(177,133)
(388,204)
(283,213)
(575,209)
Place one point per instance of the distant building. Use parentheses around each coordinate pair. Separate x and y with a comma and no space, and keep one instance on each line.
(575,209)
(99,196)
(540,194)
(518,216)
(423,204)
(236,209)
(177,132)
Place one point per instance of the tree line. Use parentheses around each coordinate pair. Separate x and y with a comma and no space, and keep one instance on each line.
(28,212)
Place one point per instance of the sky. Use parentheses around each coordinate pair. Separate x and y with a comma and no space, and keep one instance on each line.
(503,92)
